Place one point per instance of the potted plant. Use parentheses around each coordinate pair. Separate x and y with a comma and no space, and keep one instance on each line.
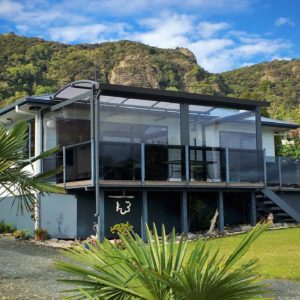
(40,234)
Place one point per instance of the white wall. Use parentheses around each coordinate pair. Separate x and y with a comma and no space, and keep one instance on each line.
(268,141)
(58,214)
(10,215)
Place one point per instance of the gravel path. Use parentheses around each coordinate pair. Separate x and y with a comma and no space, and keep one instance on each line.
(26,273)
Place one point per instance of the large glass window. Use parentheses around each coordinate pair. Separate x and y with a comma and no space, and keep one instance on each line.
(29,147)
(212,131)
(222,127)
(139,121)
(125,124)
(69,126)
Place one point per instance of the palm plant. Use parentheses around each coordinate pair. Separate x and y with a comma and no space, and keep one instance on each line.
(160,270)
(15,176)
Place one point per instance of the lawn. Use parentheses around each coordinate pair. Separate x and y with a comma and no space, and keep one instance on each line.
(277,252)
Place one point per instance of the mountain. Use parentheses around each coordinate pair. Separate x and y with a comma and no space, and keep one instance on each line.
(35,66)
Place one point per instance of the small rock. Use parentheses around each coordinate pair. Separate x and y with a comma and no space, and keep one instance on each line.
(53,240)
(192,236)
(61,241)
(245,227)
(223,233)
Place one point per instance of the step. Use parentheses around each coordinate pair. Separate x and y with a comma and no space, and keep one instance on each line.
(276,208)
(268,202)
(283,214)
(288,220)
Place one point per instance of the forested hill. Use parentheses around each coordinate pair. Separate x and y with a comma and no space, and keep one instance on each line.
(33,66)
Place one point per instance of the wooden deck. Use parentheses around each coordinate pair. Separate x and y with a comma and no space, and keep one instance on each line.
(161,184)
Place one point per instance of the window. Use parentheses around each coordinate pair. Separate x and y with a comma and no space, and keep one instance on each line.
(29,147)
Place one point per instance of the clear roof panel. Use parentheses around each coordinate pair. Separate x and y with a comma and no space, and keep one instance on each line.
(75,90)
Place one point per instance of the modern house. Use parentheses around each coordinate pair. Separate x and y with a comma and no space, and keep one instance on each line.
(143,156)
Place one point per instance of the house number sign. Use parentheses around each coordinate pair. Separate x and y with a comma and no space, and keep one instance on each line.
(120,209)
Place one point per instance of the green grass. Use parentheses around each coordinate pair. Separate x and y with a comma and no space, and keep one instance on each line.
(277,252)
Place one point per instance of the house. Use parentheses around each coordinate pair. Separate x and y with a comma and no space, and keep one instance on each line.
(143,156)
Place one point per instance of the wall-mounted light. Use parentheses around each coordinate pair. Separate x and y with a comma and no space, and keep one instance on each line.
(50,123)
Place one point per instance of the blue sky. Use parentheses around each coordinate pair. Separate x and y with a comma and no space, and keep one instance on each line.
(223,34)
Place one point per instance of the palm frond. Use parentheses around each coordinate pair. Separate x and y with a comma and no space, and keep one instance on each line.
(161,270)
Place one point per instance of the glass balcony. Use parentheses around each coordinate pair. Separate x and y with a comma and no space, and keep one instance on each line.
(245,166)
(283,172)
(75,160)
(120,161)
(156,162)
(207,164)
(164,162)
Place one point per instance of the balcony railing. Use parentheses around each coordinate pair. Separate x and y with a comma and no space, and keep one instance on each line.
(154,162)
(282,172)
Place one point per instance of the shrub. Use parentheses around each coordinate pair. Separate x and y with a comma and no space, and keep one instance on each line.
(7,228)
(26,234)
(40,234)
(123,229)
(17,234)
(2,228)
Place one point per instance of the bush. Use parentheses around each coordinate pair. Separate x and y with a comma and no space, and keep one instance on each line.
(24,234)
(17,234)
(123,229)
(41,234)
(7,228)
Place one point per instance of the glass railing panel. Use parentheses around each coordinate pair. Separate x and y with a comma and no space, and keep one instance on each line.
(52,162)
(272,169)
(207,164)
(164,162)
(78,162)
(120,161)
(245,166)
(290,172)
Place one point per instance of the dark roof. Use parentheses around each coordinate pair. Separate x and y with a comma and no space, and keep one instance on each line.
(42,99)
(182,97)
(150,94)
(278,123)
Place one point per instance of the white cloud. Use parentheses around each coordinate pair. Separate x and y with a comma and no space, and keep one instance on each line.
(207,29)
(168,32)
(94,33)
(69,34)
(283,21)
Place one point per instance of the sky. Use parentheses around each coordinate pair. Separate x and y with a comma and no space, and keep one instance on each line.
(223,34)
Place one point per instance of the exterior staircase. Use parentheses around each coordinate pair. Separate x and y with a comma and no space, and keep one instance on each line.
(269,202)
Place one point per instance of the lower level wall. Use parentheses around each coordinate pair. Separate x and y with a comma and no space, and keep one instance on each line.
(10,215)
(58,214)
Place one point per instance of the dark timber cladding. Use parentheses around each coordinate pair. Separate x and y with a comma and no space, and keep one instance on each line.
(178,97)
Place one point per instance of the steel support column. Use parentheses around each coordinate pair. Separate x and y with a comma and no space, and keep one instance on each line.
(221,211)
(144,217)
(259,145)
(184,216)
(253,209)
(101,220)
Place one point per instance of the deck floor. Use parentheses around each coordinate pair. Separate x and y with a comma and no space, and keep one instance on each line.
(162,183)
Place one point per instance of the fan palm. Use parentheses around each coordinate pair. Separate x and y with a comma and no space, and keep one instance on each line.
(160,270)
(15,176)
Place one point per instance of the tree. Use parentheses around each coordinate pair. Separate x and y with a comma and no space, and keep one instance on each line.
(15,176)
(160,270)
